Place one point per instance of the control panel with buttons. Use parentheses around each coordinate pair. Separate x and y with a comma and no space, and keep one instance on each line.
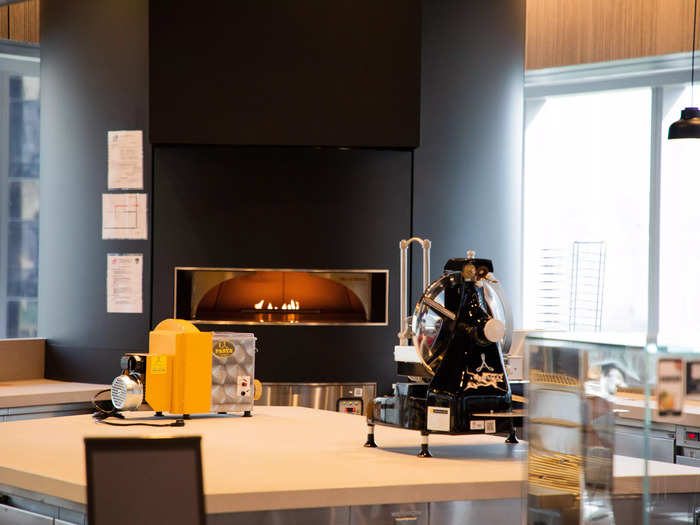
(350,405)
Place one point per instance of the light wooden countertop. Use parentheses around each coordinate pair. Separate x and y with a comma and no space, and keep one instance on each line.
(635,408)
(35,392)
(292,457)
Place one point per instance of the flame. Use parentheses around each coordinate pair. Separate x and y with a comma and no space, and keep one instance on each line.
(291,305)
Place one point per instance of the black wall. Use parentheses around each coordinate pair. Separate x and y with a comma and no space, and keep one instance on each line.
(328,208)
(467,169)
(94,78)
(316,208)
(311,72)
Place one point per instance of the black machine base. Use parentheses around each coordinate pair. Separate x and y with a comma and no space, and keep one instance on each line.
(408,409)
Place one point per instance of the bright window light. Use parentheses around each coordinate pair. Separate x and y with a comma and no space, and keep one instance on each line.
(679,279)
(586,211)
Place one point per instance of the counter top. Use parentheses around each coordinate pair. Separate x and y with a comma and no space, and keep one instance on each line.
(296,457)
(635,408)
(625,339)
(36,392)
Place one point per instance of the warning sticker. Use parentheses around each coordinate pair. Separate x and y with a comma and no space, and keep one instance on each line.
(490,426)
(439,419)
(476,424)
(159,364)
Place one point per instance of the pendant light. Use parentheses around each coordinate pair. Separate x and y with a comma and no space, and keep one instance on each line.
(688,127)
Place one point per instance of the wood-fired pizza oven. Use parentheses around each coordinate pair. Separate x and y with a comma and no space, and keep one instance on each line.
(281,296)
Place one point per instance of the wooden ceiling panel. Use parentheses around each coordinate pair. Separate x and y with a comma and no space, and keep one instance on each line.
(24,21)
(567,32)
(4,21)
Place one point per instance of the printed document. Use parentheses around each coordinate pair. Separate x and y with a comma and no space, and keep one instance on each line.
(124,216)
(125,160)
(125,283)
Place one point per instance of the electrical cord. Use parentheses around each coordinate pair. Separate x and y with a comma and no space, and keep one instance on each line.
(105,409)
(176,423)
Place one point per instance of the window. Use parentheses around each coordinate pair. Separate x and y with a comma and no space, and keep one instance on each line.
(586,207)
(19,190)
(679,276)
(599,176)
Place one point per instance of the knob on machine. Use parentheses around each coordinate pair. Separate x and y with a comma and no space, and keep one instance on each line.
(460,329)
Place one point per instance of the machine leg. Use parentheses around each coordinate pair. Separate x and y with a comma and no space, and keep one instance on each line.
(424,452)
(370,443)
(159,414)
(246,413)
(511,437)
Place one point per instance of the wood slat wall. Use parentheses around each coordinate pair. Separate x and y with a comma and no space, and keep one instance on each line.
(20,21)
(566,32)
(4,21)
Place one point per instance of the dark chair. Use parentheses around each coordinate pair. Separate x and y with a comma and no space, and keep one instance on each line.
(144,481)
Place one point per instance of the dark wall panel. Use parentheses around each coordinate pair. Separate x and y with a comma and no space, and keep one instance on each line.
(467,170)
(274,207)
(287,208)
(312,72)
(94,78)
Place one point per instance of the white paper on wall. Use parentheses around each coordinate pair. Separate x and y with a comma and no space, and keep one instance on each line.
(124,216)
(125,283)
(125,160)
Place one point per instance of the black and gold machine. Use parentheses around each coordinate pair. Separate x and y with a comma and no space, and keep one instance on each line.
(461,329)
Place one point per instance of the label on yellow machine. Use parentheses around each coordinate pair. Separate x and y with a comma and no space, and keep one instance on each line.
(223,348)
(159,364)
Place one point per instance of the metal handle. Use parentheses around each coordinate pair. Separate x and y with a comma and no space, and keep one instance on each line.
(404,245)
(406,520)
(439,309)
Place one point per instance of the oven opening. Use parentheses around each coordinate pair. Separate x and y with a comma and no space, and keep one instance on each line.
(282,297)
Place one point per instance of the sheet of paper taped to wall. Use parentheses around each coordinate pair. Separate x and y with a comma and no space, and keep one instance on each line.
(125,283)
(125,160)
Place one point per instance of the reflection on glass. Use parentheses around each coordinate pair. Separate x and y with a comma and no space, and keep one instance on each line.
(601,451)
(571,433)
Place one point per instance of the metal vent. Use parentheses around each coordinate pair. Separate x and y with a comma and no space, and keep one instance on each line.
(127,392)
(118,392)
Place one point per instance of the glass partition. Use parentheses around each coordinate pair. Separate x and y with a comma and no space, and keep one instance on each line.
(613,431)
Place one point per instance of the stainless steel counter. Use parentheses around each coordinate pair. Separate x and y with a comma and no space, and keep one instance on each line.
(323,396)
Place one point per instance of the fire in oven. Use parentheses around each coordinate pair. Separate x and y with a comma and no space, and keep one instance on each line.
(281,296)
